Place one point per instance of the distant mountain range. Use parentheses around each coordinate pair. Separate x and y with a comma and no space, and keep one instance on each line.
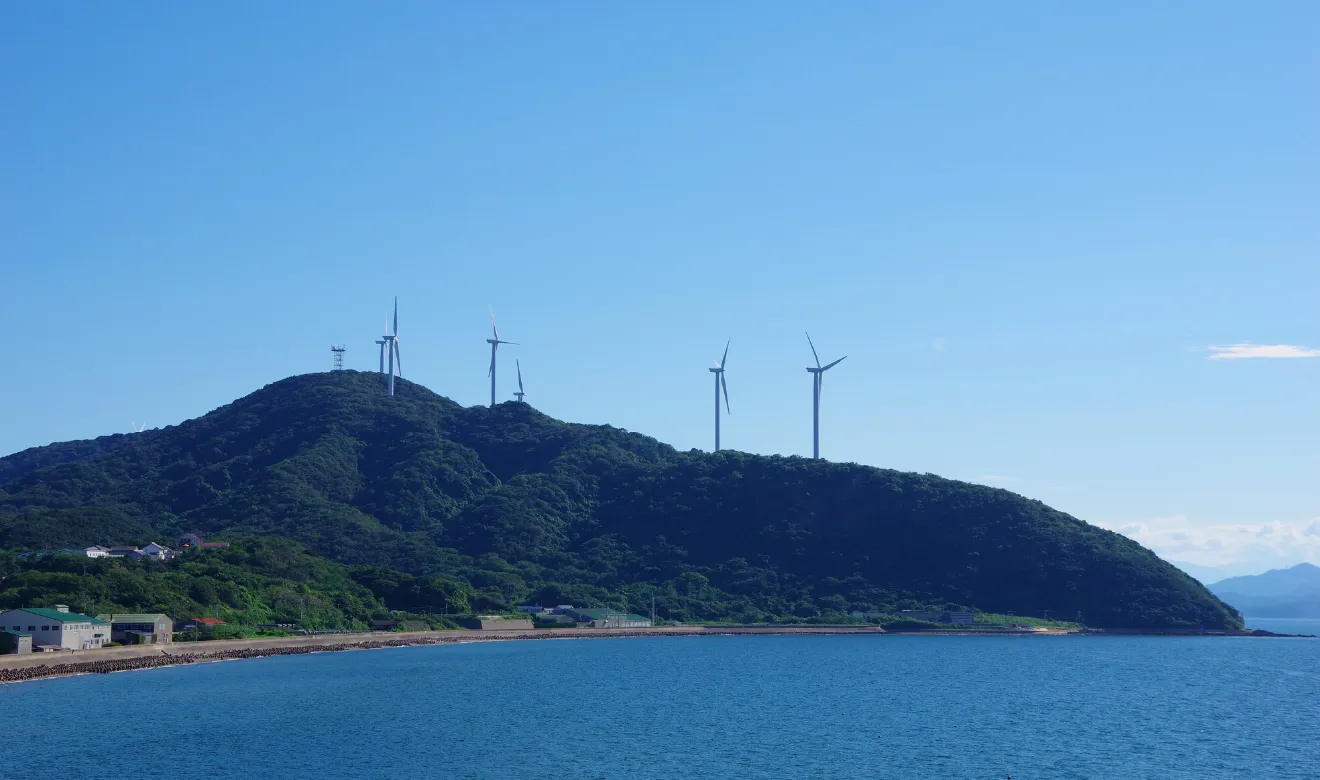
(1280,593)
(524,508)
(1212,574)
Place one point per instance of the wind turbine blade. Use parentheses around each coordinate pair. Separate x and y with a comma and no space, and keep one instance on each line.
(493,347)
(835,363)
(494,329)
(396,315)
(813,350)
(398,357)
(725,385)
(518,363)
(726,352)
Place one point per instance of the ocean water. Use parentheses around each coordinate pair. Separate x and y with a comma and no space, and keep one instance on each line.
(896,707)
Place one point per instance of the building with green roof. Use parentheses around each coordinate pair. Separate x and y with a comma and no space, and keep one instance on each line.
(56,628)
(140,629)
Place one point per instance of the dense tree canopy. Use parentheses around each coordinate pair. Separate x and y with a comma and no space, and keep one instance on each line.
(256,581)
(507,505)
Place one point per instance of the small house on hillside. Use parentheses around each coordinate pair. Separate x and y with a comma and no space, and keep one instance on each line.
(158,551)
(95,551)
(56,628)
(195,542)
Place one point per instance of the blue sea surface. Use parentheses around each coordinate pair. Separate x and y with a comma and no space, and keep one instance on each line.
(909,707)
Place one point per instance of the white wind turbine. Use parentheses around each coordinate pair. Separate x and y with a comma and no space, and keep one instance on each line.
(494,343)
(817,381)
(520,395)
(718,371)
(390,346)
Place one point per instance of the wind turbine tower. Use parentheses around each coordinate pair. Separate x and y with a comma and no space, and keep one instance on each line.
(520,395)
(338,351)
(494,343)
(390,347)
(381,344)
(718,371)
(817,378)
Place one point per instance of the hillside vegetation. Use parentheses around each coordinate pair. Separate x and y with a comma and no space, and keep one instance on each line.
(255,582)
(521,507)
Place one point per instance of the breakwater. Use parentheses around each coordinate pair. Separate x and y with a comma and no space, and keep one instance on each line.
(35,667)
(167,658)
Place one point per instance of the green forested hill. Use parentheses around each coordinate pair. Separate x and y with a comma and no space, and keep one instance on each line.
(524,507)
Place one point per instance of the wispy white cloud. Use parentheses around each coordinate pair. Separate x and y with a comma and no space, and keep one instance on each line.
(1246,349)
(1180,538)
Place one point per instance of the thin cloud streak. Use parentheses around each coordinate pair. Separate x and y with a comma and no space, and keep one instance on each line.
(1246,349)
(1218,544)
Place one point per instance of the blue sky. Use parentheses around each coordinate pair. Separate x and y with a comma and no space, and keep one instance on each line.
(1027,226)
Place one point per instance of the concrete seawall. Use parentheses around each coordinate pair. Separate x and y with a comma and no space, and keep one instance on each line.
(17,668)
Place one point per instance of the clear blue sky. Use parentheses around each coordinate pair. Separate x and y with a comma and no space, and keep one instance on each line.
(1024,223)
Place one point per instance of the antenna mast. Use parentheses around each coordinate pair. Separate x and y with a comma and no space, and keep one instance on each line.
(338,350)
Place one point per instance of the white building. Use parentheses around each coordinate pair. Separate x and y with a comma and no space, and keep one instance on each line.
(95,551)
(56,628)
(158,551)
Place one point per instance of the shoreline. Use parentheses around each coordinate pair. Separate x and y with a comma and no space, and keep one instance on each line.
(39,666)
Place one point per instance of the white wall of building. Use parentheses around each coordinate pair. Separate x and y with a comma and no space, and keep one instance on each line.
(72,635)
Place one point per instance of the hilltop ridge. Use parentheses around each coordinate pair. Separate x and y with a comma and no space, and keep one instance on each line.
(524,507)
